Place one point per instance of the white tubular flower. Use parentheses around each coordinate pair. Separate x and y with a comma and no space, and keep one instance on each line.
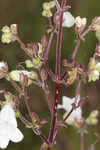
(8,127)
(68,20)
(67,105)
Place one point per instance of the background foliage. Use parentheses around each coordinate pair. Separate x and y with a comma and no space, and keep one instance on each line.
(27,14)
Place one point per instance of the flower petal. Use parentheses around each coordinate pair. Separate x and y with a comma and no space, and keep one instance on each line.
(7,115)
(16,135)
(4,136)
(4,141)
(68,20)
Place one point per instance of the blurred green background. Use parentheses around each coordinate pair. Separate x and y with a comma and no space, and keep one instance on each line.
(31,26)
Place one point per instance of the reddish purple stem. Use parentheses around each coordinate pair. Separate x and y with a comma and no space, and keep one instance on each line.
(80,37)
(58,59)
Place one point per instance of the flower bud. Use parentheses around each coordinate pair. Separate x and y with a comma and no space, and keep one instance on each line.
(44,41)
(96,24)
(43,75)
(65,62)
(14,28)
(98,50)
(57,18)
(3,69)
(98,35)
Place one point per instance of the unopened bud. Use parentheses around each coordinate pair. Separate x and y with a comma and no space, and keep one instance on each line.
(64,62)
(98,35)
(3,69)
(98,49)
(36,47)
(14,28)
(96,24)
(43,75)
(44,41)
(57,18)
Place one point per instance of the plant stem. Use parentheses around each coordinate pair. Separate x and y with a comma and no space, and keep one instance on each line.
(22,45)
(26,101)
(81,140)
(58,57)
(72,109)
(48,47)
(80,37)
(50,73)
(77,91)
(18,89)
(44,138)
(54,117)
(48,99)
(76,48)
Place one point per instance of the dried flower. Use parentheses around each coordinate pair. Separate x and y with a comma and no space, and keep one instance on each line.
(72,76)
(94,70)
(96,24)
(36,63)
(8,33)
(92,119)
(16,75)
(47,9)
